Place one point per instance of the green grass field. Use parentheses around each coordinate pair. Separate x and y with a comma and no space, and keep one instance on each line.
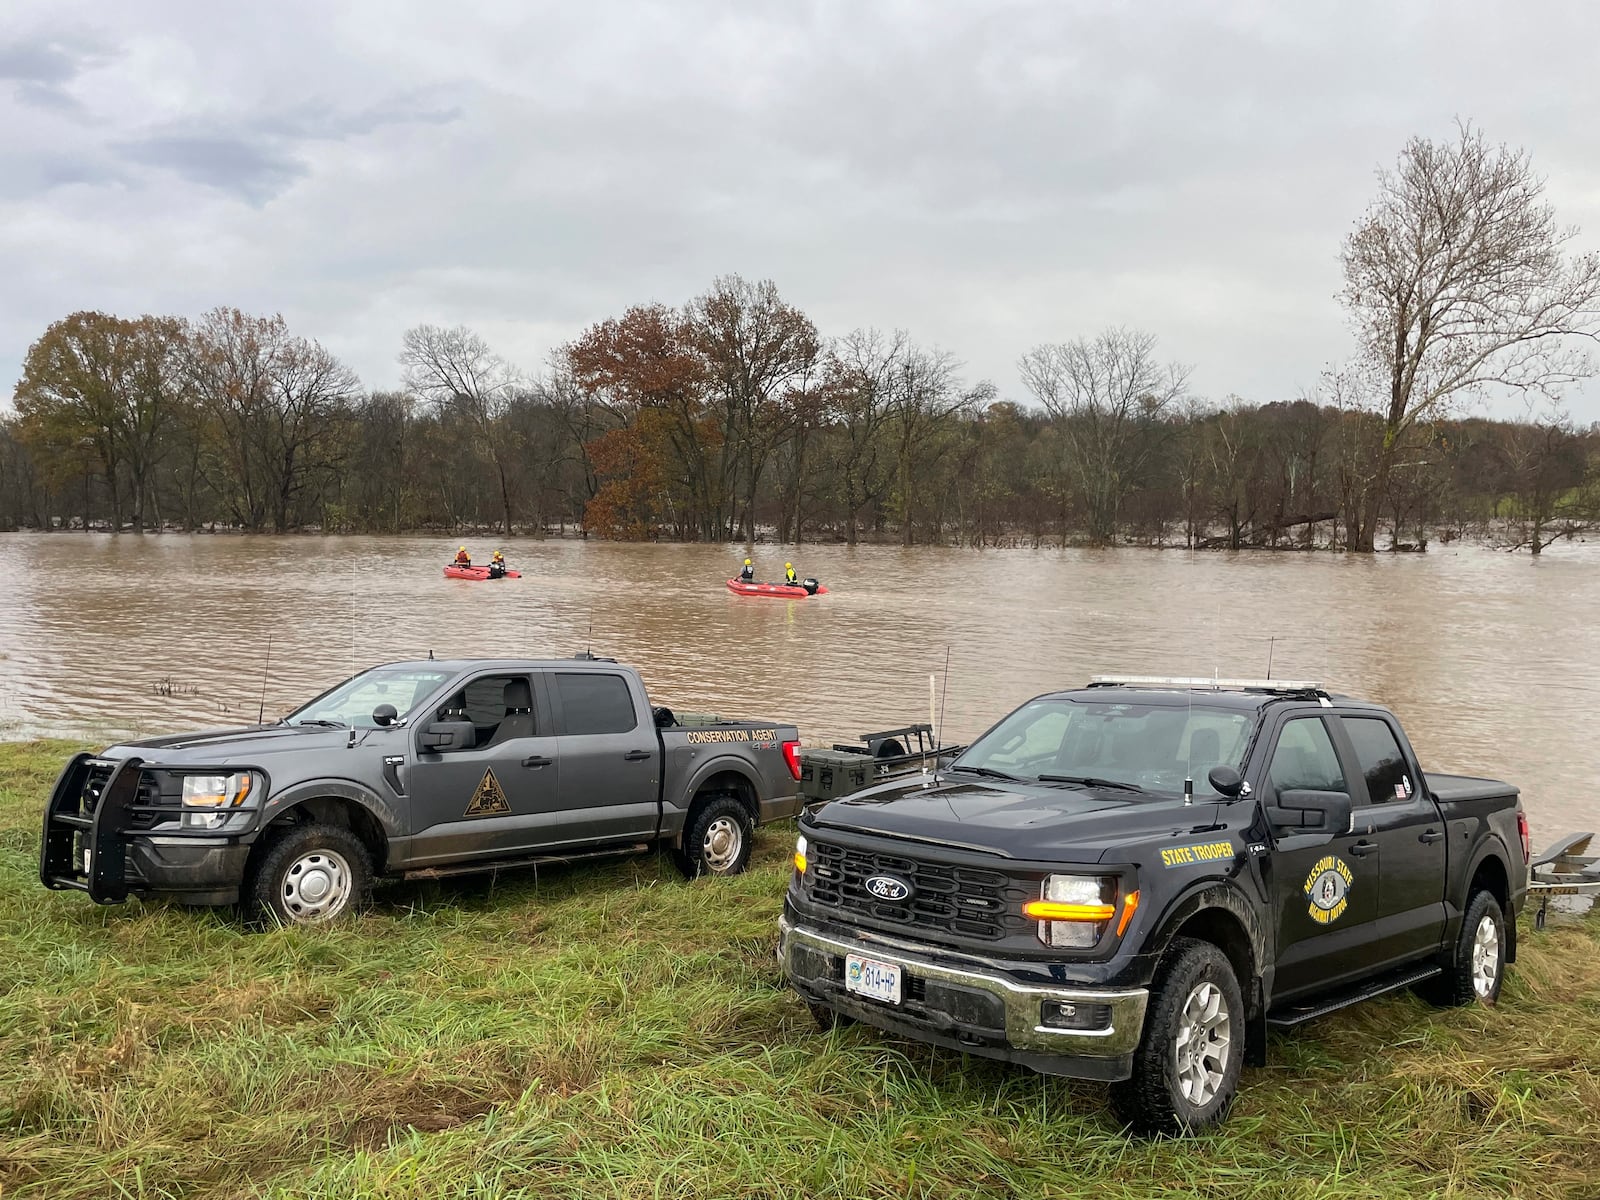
(615,1031)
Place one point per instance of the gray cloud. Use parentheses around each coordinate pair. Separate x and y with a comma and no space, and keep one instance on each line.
(989,174)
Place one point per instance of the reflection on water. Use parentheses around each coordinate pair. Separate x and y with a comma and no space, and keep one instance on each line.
(1488,658)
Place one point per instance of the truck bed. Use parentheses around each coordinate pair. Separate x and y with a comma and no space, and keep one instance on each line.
(1462,789)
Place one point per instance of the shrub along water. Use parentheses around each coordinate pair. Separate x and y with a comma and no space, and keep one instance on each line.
(614,1031)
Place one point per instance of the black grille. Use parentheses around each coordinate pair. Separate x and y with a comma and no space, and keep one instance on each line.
(966,901)
(149,793)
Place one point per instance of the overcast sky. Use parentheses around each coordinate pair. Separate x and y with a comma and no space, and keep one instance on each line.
(987,175)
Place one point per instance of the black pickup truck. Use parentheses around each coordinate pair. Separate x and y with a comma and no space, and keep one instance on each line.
(418,770)
(1133,881)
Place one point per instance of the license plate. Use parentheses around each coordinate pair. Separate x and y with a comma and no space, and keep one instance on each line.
(873,979)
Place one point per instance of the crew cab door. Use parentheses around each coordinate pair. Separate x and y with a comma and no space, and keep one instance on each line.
(610,757)
(1397,813)
(1324,891)
(497,796)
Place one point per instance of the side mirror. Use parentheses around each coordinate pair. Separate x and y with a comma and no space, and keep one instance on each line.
(1301,810)
(448,735)
(1226,781)
(385,715)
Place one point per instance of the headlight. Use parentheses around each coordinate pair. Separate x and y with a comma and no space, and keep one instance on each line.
(217,791)
(220,794)
(1075,909)
(800,854)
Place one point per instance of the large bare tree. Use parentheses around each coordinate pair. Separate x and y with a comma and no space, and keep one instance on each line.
(1457,279)
(1109,395)
(459,374)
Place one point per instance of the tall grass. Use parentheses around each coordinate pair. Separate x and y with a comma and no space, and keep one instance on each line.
(612,1031)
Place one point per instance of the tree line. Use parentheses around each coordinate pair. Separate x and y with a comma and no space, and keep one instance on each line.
(732,417)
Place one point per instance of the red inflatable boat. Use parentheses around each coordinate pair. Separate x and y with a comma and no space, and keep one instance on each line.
(740,588)
(455,572)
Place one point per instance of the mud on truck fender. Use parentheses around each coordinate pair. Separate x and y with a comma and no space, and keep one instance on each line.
(1219,913)
(338,802)
(717,835)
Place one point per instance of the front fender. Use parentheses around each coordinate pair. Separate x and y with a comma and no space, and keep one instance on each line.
(383,809)
(1226,897)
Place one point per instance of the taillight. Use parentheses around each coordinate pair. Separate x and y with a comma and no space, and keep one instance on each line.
(1526,835)
(791,755)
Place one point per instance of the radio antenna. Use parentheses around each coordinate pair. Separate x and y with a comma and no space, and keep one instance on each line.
(588,642)
(938,733)
(1270,642)
(1188,764)
(261,712)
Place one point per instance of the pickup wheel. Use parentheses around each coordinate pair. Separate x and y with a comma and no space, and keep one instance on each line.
(718,839)
(1478,964)
(1186,1069)
(311,875)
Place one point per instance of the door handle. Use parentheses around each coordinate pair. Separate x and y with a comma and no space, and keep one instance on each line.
(537,760)
(636,755)
(1431,835)
(1363,848)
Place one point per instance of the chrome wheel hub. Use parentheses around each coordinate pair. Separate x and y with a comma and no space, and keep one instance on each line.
(1485,958)
(1201,1045)
(723,842)
(316,886)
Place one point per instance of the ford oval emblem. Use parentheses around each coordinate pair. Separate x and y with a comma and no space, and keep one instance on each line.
(887,887)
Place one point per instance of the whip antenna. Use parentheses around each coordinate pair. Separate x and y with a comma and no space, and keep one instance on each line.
(261,712)
(938,733)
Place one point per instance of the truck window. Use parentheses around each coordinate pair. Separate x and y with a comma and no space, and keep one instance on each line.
(1382,763)
(487,701)
(1304,758)
(595,703)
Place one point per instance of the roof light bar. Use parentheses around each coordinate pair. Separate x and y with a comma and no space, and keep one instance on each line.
(1204,683)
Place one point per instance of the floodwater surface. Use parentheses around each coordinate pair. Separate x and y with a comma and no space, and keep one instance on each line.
(1491,660)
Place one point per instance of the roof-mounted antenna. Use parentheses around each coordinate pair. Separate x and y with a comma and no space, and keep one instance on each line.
(588,642)
(1270,642)
(261,712)
(430,655)
(938,733)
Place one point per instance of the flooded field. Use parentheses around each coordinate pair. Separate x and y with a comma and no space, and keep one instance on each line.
(1491,660)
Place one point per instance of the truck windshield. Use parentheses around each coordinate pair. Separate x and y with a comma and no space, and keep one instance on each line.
(1144,746)
(351,703)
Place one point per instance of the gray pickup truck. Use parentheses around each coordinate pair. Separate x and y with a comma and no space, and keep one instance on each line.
(416,770)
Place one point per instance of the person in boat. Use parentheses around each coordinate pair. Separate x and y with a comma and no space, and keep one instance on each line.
(463,559)
(747,573)
(497,564)
(789,577)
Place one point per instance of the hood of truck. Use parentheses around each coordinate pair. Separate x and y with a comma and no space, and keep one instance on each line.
(227,747)
(1039,822)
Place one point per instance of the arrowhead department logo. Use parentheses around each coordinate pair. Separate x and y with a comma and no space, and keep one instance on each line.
(490,799)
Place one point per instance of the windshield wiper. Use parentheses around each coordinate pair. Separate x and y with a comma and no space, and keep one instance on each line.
(1091,781)
(991,773)
(321,724)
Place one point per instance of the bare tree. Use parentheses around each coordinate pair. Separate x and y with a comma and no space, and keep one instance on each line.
(1109,395)
(1456,279)
(457,372)
(1554,485)
(757,350)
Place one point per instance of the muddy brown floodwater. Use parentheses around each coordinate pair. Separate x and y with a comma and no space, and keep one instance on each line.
(1492,660)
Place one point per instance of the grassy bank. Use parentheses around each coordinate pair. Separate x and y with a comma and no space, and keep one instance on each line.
(614,1031)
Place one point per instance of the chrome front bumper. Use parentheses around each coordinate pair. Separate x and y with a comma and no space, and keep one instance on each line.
(1021,1003)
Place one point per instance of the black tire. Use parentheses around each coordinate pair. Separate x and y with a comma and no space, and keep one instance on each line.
(1465,977)
(1195,992)
(718,839)
(311,875)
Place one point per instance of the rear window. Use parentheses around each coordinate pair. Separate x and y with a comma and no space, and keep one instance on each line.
(595,703)
(1382,763)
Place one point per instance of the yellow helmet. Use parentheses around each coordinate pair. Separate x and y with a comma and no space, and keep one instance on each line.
(747,562)
(786,566)
(463,547)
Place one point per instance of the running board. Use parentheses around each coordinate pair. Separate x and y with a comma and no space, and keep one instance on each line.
(536,860)
(1288,1018)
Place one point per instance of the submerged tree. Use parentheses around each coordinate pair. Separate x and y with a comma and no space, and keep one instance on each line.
(1456,279)
(1110,396)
